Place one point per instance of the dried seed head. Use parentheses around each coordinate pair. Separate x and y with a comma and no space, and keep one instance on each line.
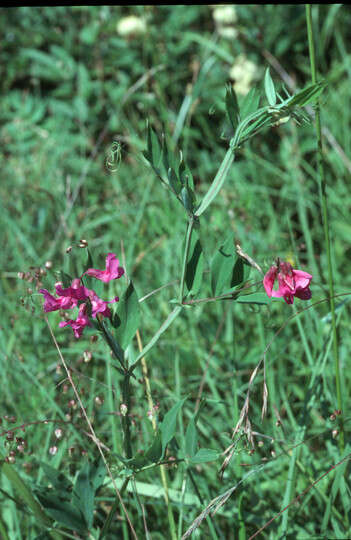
(87,356)
(58,433)
(48,265)
(69,249)
(123,409)
(53,450)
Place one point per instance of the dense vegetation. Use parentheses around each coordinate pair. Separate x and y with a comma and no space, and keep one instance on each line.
(79,87)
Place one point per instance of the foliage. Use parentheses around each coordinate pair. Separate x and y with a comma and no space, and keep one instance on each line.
(119,140)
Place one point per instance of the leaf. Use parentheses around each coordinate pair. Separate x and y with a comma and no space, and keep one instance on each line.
(62,511)
(191,438)
(168,424)
(89,263)
(227,269)
(188,198)
(127,316)
(255,298)
(232,106)
(174,181)
(57,479)
(195,265)
(153,153)
(89,479)
(250,103)
(269,89)
(204,455)
(154,452)
(305,96)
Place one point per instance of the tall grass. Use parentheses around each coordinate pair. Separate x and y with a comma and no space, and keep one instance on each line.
(75,89)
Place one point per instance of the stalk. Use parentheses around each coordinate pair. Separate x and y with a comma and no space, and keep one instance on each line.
(326,226)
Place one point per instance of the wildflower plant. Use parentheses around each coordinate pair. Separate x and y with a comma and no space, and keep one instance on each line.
(117,320)
(99,300)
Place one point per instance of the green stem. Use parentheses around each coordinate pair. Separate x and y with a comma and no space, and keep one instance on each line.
(185,258)
(126,417)
(326,226)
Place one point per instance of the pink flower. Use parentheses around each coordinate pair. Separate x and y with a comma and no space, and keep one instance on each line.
(112,271)
(76,291)
(290,282)
(100,306)
(79,323)
(53,304)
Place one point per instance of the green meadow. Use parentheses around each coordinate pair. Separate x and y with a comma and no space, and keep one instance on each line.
(202,145)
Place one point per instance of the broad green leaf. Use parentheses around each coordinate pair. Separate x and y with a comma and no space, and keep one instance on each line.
(62,511)
(191,439)
(168,424)
(58,480)
(127,316)
(269,89)
(232,106)
(154,453)
(204,455)
(195,265)
(228,270)
(89,479)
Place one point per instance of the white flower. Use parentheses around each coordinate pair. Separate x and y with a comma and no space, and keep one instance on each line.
(228,32)
(244,73)
(131,26)
(225,15)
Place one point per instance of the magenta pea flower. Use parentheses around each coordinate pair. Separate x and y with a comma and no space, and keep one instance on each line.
(100,306)
(79,323)
(290,282)
(76,290)
(112,270)
(53,304)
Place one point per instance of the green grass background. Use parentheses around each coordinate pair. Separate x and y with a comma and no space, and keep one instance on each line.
(70,87)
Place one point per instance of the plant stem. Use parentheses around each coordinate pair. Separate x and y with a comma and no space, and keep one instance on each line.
(326,226)
(163,471)
(126,417)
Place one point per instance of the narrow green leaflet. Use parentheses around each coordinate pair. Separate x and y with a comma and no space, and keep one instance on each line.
(250,103)
(195,265)
(191,438)
(269,89)
(305,96)
(255,298)
(232,106)
(127,316)
(168,424)
(153,152)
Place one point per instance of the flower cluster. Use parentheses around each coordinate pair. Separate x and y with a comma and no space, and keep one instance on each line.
(290,282)
(78,294)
